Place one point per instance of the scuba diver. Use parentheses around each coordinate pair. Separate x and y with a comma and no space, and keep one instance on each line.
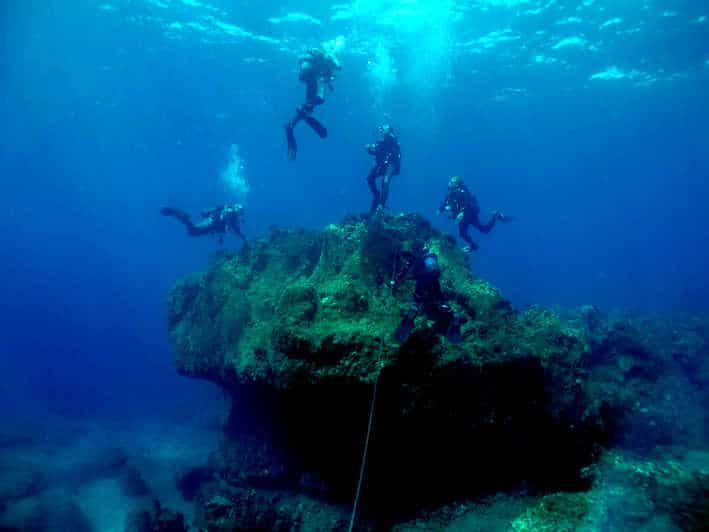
(317,69)
(387,157)
(462,206)
(217,220)
(422,265)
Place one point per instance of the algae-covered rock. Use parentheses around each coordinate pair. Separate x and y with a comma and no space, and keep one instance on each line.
(298,303)
(249,509)
(628,493)
(298,328)
(319,305)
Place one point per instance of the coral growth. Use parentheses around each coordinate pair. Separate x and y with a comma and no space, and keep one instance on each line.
(297,328)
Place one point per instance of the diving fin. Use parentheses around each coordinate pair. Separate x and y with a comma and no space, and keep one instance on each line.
(376,201)
(176,213)
(316,125)
(292,144)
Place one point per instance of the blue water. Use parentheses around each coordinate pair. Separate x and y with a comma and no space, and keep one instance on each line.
(588,121)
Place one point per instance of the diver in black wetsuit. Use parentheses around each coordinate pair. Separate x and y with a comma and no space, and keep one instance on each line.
(217,220)
(422,265)
(461,205)
(317,70)
(387,157)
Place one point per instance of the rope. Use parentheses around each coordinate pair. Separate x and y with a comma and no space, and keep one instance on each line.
(364,454)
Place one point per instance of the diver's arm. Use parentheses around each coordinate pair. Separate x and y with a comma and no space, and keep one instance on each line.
(213,212)
(235,227)
(445,203)
(328,78)
(403,268)
(467,197)
(397,158)
(333,64)
(332,67)
(460,200)
(308,57)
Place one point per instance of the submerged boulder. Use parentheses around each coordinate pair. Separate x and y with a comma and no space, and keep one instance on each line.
(628,493)
(298,329)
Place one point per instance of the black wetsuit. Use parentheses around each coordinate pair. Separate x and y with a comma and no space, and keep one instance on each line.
(317,70)
(428,297)
(217,221)
(387,156)
(460,200)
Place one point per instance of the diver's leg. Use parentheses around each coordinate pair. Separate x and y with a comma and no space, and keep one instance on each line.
(484,228)
(371,181)
(182,216)
(290,139)
(316,125)
(305,113)
(202,228)
(314,96)
(373,188)
(388,172)
(441,314)
(301,113)
(450,324)
(463,233)
(407,323)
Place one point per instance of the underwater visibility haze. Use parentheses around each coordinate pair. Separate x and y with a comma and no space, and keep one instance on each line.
(585,319)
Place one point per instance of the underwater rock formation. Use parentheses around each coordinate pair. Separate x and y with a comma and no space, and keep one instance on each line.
(298,328)
(629,493)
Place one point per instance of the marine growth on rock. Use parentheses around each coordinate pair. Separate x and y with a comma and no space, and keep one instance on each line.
(298,326)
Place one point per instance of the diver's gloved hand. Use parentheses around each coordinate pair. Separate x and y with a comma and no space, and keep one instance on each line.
(501,217)
(371,148)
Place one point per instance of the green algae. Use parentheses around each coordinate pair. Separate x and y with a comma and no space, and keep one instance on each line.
(628,493)
(279,307)
(304,320)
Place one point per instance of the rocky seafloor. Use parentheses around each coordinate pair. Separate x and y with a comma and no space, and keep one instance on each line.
(538,420)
